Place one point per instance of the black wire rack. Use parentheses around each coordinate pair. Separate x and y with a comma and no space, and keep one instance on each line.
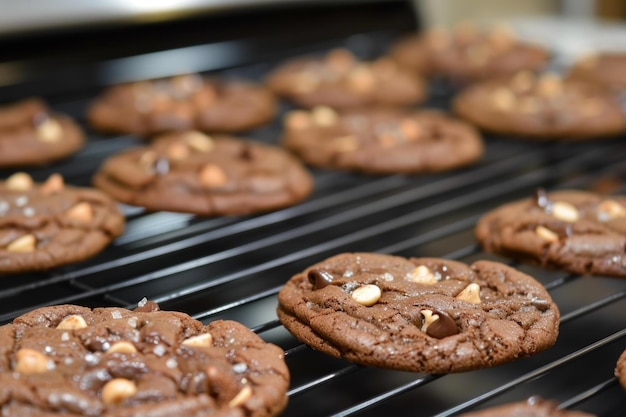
(233,267)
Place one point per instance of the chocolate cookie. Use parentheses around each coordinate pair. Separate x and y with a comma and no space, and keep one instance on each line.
(342,81)
(607,69)
(30,135)
(194,173)
(577,231)
(46,225)
(182,103)
(533,407)
(73,361)
(419,314)
(381,141)
(620,370)
(468,54)
(543,107)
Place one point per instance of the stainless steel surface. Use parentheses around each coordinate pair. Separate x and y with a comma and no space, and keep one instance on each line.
(233,267)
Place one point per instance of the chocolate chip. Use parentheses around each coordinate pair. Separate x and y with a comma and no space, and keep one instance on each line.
(441,327)
(319,279)
(246,153)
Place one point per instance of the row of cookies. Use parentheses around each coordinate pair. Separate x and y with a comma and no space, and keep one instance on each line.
(189,171)
(153,162)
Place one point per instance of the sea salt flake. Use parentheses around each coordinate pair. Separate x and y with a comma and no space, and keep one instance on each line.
(21,201)
(171,363)
(28,211)
(116,314)
(142,302)
(240,368)
(159,350)
(387,276)
(65,336)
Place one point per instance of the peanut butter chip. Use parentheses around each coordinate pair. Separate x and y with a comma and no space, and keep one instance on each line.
(20,181)
(361,79)
(529,105)
(201,340)
(297,120)
(471,294)
(122,347)
(53,184)
(550,85)
(429,318)
(72,322)
(212,176)
(610,210)
(199,141)
(345,144)
(305,82)
(423,275)
(367,295)
(546,234)
(30,361)
(241,397)
(49,131)
(522,81)
(565,211)
(340,60)
(411,129)
(502,37)
(117,390)
(324,116)
(25,243)
(387,140)
(177,151)
(82,212)
(504,99)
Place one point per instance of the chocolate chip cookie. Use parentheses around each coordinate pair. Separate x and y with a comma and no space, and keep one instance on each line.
(340,80)
(620,369)
(467,53)
(74,361)
(544,107)
(195,173)
(533,407)
(182,103)
(577,231)
(418,314)
(607,69)
(31,134)
(49,224)
(381,141)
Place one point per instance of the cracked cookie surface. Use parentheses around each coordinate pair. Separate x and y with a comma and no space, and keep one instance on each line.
(182,103)
(467,53)
(380,141)
(544,107)
(341,80)
(31,135)
(418,314)
(49,224)
(195,173)
(73,361)
(576,231)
